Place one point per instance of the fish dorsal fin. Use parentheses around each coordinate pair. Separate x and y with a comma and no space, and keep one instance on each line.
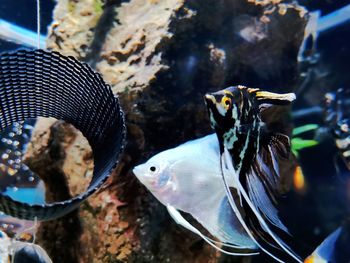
(179,219)
(266,98)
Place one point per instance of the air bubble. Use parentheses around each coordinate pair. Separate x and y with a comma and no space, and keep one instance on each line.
(11,171)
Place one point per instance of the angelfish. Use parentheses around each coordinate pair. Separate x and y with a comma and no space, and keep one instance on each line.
(249,162)
(188,178)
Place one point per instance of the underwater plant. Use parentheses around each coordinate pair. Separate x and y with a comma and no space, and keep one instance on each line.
(298,143)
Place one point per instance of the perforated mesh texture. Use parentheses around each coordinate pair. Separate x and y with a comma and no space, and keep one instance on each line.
(41,83)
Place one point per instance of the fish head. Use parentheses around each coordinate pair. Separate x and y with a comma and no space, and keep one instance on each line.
(156,176)
(224,107)
(184,176)
(238,105)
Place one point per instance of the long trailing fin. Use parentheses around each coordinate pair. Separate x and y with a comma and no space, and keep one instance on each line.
(228,161)
(179,219)
(262,201)
(227,172)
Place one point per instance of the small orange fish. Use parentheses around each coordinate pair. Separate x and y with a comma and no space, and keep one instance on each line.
(299,180)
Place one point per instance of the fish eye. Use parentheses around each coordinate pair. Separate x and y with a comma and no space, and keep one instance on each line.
(226,102)
(152,169)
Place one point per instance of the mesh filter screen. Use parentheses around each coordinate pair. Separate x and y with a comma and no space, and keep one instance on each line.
(48,84)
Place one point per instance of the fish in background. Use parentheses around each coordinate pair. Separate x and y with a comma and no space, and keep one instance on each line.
(334,249)
(324,253)
(21,252)
(337,117)
(249,155)
(188,178)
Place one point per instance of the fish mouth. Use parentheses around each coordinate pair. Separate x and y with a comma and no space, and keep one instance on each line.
(137,171)
(143,178)
(209,99)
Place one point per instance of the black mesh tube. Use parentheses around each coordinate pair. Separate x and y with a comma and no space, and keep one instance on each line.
(48,84)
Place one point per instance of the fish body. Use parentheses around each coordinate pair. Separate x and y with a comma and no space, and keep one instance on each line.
(249,158)
(188,178)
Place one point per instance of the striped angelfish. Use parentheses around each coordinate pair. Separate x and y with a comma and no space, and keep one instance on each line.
(249,162)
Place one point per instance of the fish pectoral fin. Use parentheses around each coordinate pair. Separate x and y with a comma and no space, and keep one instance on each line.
(180,220)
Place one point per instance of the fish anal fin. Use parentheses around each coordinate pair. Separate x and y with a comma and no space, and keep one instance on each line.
(179,219)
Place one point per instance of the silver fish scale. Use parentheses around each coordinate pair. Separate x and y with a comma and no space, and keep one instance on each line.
(37,83)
